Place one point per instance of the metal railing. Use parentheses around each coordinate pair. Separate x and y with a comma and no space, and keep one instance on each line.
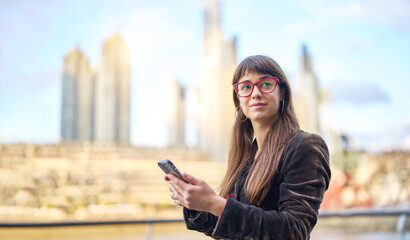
(401,214)
(148,234)
(400,226)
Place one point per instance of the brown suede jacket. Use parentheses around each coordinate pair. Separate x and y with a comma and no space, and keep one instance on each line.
(290,209)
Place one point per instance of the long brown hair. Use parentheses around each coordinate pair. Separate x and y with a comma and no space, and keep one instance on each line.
(262,169)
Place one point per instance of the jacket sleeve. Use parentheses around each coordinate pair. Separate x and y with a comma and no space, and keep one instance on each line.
(306,177)
(201,221)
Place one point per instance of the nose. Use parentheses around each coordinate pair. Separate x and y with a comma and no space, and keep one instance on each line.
(256,93)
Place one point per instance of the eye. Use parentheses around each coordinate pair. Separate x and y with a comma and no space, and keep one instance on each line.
(266,84)
(245,86)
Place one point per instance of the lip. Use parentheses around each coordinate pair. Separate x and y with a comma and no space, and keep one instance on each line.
(258,105)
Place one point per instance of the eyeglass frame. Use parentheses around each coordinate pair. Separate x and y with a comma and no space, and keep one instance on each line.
(277,82)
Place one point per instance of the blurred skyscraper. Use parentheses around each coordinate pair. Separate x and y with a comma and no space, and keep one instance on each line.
(312,104)
(77,98)
(96,106)
(306,98)
(176,114)
(112,93)
(215,90)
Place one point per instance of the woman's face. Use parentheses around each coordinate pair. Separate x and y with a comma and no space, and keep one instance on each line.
(260,107)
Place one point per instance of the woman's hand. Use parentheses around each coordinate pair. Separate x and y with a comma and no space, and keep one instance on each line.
(197,195)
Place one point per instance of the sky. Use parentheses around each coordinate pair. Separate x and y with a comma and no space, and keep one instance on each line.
(360,51)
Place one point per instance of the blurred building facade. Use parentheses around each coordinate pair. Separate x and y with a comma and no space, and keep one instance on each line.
(216,111)
(176,114)
(112,93)
(306,97)
(312,105)
(77,97)
(96,104)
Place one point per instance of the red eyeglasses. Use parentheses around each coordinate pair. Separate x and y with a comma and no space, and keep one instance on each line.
(265,85)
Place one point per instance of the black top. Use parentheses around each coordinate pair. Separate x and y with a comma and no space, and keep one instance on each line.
(291,206)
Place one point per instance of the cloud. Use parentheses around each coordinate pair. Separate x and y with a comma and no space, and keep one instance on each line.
(304,27)
(358,92)
(393,136)
(395,13)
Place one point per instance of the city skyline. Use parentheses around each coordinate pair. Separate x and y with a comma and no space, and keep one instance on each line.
(360,56)
(96,100)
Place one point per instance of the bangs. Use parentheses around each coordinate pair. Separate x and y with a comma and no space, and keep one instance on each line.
(255,64)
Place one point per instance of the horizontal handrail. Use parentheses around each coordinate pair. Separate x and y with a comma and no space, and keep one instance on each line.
(323,214)
(82,223)
(353,213)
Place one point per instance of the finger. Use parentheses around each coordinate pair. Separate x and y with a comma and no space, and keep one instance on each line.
(166,178)
(178,203)
(176,196)
(172,178)
(176,189)
(178,199)
(191,179)
(169,177)
(178,184)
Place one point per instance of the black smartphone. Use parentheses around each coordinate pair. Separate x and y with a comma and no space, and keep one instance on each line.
(168,167)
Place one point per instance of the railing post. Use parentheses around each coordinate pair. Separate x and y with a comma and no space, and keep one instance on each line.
(401,225)
(149,231)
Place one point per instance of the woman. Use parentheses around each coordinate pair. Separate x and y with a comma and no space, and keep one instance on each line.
(276,175)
